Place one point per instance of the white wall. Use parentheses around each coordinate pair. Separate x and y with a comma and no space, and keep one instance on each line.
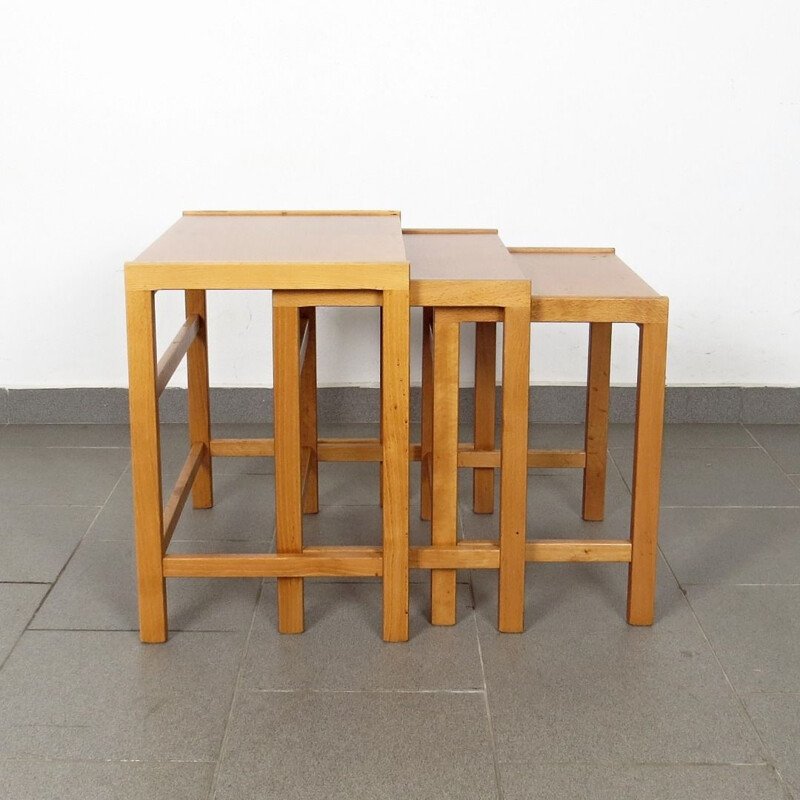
(667,129)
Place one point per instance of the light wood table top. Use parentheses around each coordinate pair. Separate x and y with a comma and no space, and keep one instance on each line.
(579,273)
(463,268)
(274,250)
(586,285)
(258,237)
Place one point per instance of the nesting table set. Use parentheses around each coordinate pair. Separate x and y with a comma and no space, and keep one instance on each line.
(310,259)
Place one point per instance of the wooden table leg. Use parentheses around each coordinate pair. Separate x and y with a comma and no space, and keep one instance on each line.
(597,402)
(146,465)
(394,466)
(485,380)
(647,473)
(198,399)
(288,499)
(444,527)
(308,412)
(426,464)
(514,469)
(380,400)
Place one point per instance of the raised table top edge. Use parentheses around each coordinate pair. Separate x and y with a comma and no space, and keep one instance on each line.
(582,275)
(289,213)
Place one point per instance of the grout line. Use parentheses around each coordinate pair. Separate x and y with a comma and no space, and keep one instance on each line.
(495,760)
(149,761)
(133,630)
(633,763)
(94,630)
(754,507)
(78,446)
(61,571)
(671,448)
(62,505)
(765,752)
(789,585)
(14,446)
(767,453)
(236,688)
(25,583)
(624,480)
(306,690)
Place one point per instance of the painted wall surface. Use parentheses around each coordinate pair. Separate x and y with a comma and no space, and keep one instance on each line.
(667,129)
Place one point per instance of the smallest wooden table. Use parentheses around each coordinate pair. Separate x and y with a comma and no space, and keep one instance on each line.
(353,258)
(593,285)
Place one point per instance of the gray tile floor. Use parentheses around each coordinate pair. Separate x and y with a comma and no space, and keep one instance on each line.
(705,704)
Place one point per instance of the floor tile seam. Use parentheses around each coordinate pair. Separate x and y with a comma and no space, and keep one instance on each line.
(46,594)
(212,790)
(322,690)
(788,789)
(620,473)
(622,763)
(10,446)
(66,447)
(348,505)
(35,629)
(60,505)
(55,760)
(748,585)
(25,583)
(182,631)
(130,542)
(492,737)
(768,454)
(765,752)
(670,448)
(729,507)
(265,540)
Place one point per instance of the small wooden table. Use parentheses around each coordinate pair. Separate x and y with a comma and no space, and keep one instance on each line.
(346,253)
(593,285)
(468,276)
(465,276)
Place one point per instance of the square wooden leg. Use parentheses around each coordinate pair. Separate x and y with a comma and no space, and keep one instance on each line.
(381,399)
(426,466)
(308,412)
(485,380)
(444,529)
(514,469)
(288,497)
(146,465)
(395,375)
(647,473)
(198,399)
(597,402)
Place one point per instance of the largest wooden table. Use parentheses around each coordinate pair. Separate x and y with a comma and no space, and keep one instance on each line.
(341,253)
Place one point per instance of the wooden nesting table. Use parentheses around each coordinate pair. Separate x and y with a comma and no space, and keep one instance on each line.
(468,276)
(359,257)
(311,259)
(594,286)
(464,276)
